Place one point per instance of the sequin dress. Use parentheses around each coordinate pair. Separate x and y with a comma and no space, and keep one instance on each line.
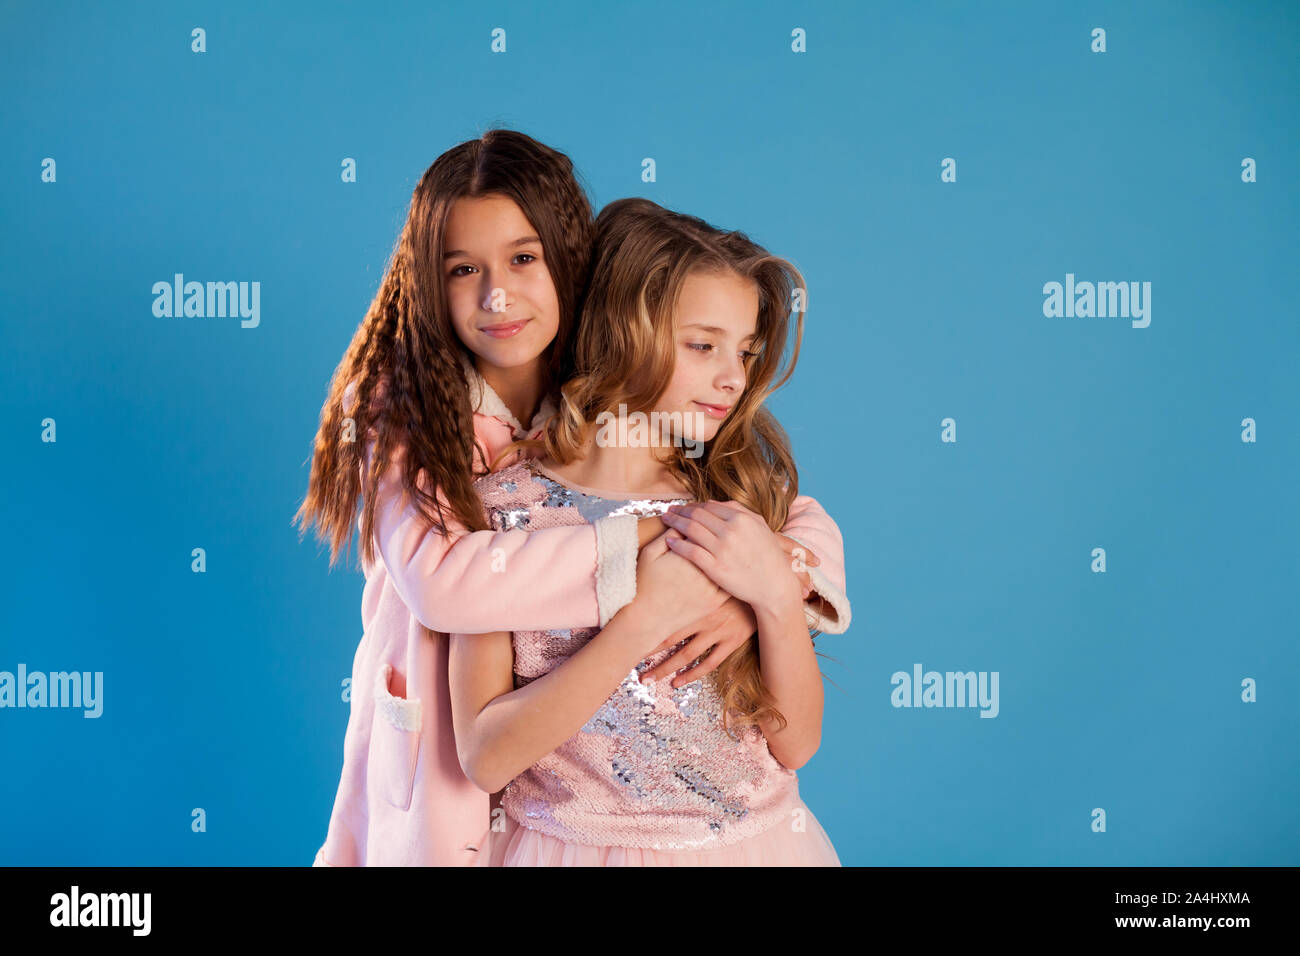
(652,778)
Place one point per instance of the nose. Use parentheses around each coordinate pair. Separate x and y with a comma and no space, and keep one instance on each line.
(493,297)
(731,377)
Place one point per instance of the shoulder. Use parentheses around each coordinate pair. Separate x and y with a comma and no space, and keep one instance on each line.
(509,495)
(490,425)
(506,483)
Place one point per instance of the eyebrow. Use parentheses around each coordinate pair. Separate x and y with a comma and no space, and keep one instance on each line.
(715,329)
(452,253)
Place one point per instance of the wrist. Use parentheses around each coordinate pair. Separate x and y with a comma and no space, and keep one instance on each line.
(778,603)
(635,628)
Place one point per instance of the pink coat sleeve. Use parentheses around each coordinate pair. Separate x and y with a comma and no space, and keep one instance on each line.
(460,583)
(476,582)
(810,525)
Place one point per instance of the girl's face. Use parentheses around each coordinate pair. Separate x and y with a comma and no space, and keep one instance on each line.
(503,303)
(715,325)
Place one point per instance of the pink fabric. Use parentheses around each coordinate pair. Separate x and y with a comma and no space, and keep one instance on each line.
(810,525)
(796,841)
(402,798)
(653,767)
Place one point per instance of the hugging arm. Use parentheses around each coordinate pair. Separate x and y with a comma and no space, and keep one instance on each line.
(715,637)
(501,731)
(481,581)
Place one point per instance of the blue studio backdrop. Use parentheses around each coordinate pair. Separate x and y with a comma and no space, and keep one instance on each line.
(1047,389)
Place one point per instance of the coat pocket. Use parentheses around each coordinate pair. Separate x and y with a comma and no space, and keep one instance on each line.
(394,742)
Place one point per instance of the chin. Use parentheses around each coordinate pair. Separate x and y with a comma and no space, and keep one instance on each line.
(699,438)
(515,355)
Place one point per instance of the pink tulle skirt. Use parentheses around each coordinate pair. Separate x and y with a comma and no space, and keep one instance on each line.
(780,845)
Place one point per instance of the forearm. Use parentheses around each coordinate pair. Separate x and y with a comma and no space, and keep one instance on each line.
(463,582)
(788,663)
(516,729)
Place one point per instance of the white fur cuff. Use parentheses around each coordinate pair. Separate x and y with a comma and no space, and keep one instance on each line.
(837,599)
(616,554)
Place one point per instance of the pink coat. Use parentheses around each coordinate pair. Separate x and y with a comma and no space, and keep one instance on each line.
(403,799)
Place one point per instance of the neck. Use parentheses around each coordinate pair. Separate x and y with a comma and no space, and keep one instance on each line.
(621,469)
(520,388)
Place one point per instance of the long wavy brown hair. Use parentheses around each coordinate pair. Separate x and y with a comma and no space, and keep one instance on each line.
(410,401)
(625,351)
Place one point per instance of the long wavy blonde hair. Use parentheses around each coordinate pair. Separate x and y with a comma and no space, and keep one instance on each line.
(625,351)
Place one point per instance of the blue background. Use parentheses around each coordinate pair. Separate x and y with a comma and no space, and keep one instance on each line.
(1119,690)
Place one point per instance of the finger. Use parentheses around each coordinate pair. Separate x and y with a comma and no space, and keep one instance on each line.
(716,657)
(698,556)
(672,639)
(731,509)
(656,545)
(674,662)
(659,671)
(725,503)
(795,549)
(700,527)
(799,562)
(810,559)
(723,510)
(666,667)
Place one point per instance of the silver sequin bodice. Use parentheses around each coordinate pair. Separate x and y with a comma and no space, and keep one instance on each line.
(653,767)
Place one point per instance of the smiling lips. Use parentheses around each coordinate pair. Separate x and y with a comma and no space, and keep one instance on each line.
(504,330)
(715,411)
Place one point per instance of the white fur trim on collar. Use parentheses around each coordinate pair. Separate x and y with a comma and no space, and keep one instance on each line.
(484,400)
